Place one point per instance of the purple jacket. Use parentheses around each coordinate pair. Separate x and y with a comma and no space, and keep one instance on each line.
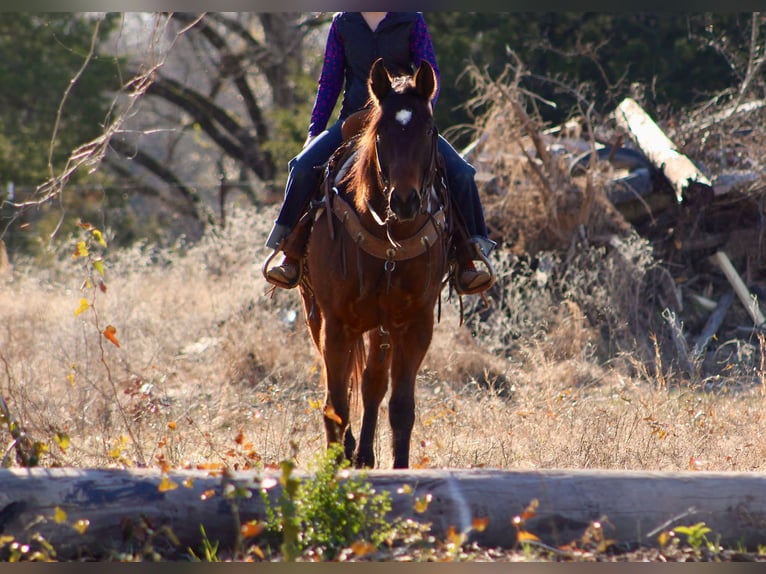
(401,39)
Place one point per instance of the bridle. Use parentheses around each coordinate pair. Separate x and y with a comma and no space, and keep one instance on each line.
(425,185)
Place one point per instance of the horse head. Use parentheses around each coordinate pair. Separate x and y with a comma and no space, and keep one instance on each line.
(404,137)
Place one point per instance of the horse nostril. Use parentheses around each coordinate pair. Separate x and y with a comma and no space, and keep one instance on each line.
(405,209)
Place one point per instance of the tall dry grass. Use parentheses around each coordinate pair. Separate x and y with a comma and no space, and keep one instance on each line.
(567,367)
(212,370)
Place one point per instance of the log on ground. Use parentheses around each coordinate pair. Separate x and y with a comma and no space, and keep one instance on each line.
(632,506)
(682,174)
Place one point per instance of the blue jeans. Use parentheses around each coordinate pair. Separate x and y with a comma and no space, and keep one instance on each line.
(305,173)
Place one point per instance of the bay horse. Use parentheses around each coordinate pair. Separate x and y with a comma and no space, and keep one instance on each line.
(376,263)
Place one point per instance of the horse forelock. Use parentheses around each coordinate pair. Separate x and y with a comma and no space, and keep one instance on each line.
(400,84)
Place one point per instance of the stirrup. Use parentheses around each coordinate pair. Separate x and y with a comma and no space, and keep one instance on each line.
(275,280)
(477,255)
(466,290)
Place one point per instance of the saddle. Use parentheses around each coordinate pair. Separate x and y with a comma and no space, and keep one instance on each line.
(327,197)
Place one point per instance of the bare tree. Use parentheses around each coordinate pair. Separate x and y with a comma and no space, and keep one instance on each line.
(207,113)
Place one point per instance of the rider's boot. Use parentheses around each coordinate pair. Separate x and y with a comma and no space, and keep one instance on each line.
(469,279)
(292,243)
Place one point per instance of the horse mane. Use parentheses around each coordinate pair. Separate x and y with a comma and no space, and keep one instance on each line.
(361,176)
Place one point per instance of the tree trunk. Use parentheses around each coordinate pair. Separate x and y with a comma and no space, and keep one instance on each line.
(633,507)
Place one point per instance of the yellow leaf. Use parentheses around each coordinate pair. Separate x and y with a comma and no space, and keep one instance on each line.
(81,526)
(116,451)
(62,440)
(362,548)
(663,538)
(421,504)
(188,483)
(524,536)
(59,516)
(455,537)
(110,333)
(99,237)
(166,484)
(404,489)
(531,510)
(81,250)
(84,306)
(480,524)
(98,265)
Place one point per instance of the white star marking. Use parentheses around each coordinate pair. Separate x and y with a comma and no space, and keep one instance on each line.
(404,116)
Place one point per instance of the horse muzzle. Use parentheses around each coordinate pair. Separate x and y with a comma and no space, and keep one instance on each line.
(405,206)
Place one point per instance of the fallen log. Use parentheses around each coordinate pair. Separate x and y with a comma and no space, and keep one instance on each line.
(633,507)
(682,174)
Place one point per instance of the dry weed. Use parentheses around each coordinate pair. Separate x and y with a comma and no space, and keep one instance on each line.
(211,370)
(559,370)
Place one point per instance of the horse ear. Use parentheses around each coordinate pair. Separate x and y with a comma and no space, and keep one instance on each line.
(379,82)
(425,80)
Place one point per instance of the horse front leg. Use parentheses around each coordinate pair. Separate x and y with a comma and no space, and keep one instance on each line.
(336,349)
(408,353)
(374,387)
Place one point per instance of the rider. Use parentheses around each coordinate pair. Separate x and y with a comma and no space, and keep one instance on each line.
(355,41)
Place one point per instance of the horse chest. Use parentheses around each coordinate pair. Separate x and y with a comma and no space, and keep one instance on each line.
(392,308)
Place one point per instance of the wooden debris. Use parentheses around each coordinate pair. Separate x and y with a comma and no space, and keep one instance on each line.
(682,174)
(747,299)
(712,325)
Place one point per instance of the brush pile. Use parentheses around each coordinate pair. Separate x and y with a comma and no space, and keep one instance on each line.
(656,234)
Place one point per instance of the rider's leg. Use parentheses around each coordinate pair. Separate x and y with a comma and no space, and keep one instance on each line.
(302,181)
(465,194)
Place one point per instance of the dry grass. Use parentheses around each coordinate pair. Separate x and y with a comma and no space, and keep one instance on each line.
(563,370)
(206,356)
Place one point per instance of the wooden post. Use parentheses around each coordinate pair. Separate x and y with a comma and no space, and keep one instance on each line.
(682,174)
(633,507)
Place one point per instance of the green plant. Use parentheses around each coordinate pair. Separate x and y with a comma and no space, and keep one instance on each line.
(209,548)
(331,511)
(695,535)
